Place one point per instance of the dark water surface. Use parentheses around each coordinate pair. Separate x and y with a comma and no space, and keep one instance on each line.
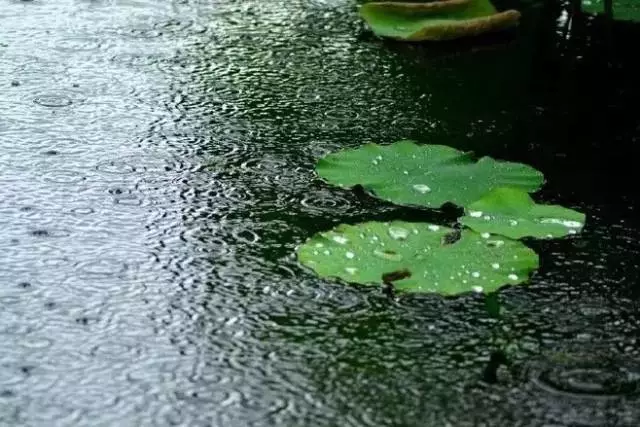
(156,174)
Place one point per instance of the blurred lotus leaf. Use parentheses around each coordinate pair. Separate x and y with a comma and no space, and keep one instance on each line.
(436,20)
(624,10)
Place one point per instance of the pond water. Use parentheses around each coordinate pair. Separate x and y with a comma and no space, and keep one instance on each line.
(156,175)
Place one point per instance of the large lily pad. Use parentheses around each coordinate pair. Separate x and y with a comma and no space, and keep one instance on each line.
(512,213)
(625,10)
(424,175)
(437,20)
(418,257)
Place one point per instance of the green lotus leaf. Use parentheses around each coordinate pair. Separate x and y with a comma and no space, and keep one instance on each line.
(512,213)
(437,20)
(424,175)
(624,10)
(418,257)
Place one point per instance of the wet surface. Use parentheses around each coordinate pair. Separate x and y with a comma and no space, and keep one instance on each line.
(156,174)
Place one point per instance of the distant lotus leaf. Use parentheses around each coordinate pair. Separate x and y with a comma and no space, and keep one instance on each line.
(624,10)
(418,257)
(424,175)
(512,213)
(437,20)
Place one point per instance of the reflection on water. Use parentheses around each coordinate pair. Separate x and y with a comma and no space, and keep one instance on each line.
(156,174)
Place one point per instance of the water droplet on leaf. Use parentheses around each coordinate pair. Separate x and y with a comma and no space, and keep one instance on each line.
(340,240)
(398,233)
(568,224)
(390,255)
(421,188)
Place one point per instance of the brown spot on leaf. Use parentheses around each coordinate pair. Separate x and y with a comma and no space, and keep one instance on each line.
(451,238)
(394,276)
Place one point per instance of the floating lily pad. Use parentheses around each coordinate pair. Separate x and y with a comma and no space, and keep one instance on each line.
(624,10)
(438,20)
(512,213)
(418,257)
(424,175)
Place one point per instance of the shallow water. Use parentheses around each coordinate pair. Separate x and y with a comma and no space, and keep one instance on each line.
(156,174)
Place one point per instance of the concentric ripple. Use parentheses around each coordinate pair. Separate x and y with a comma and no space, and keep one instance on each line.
(587,376)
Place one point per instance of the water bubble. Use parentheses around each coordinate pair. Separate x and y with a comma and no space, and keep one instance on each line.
(350,255)
(116,166)
(398,233)
(513,277)
(434,227)
(475,274)
(326,252)
(351,270)
(495,266)
(513,222)
(487,217)
(475,214)
(495,243)
(319,245)
(53,100)
(477,289)
(485,235)
(421,188)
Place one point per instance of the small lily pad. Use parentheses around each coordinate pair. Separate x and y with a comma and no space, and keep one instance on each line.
(437,20)
(424,175)
(416,257)
(512,213)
